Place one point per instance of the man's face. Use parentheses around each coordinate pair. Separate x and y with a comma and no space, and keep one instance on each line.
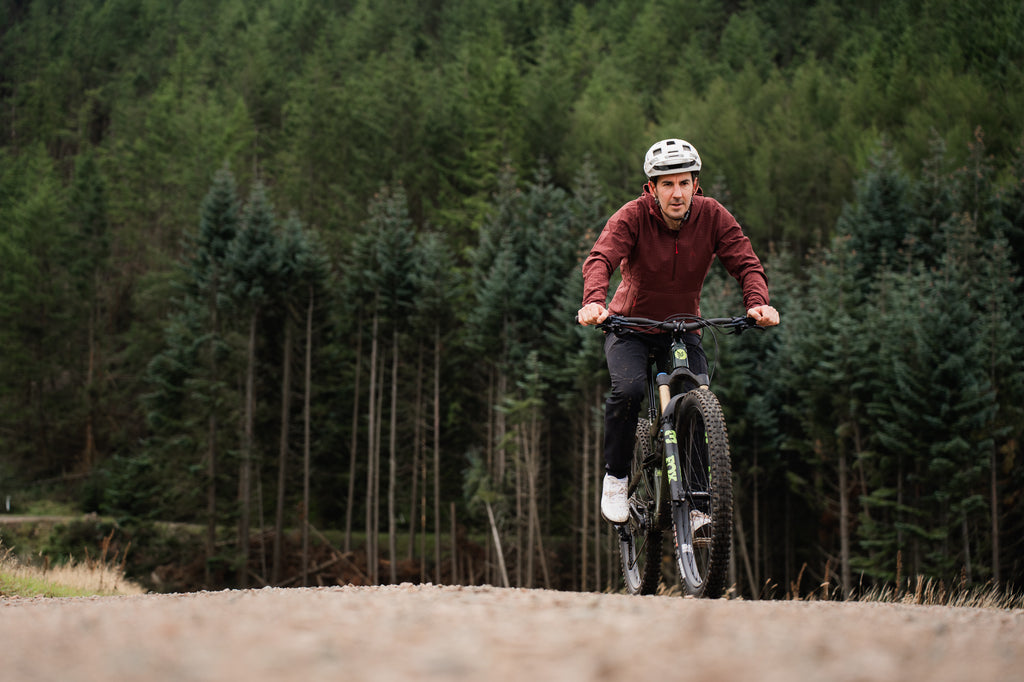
(674,193)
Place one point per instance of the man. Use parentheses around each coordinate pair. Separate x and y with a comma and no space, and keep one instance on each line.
(664,242)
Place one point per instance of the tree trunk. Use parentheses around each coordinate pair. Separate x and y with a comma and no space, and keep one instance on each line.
(598,445)
(245,464)
(844,523)
(211,499)
(967,546)
(371,501)
(497,545)
(89,455)
(307,391)
(585,493)
(417,452)
(520,482)
(995,517)
(757,521)
(489,449)
(526,457)
(354,439)
(741,541)
(211,455)
(282,453)
(454,547)
(437,450)
(393,459)
(540,542)
(378,440)
(899,504)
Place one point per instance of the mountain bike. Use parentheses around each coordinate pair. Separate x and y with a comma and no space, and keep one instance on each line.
(681,472)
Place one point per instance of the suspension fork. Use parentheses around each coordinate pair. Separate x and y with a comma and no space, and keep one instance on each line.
(673,464)
(668,435)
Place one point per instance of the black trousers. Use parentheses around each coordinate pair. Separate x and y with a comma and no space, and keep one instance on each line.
(628,358)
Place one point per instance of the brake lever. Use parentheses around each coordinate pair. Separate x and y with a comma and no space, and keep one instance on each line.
(748,323)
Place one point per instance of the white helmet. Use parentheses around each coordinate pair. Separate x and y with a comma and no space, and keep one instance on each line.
(671,156)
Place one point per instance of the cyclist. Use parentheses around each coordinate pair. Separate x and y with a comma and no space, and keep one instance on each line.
(664,242)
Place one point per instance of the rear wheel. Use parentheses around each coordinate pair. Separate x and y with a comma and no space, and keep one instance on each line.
(703,520)
(640,536)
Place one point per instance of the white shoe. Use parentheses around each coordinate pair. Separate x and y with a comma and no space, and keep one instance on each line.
(614,499)
(698,520)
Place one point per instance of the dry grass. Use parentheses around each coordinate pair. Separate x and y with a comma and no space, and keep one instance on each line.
(936,593)
(919,590)
(94,576)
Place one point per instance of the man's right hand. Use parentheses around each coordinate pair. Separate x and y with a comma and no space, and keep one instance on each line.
(592,313)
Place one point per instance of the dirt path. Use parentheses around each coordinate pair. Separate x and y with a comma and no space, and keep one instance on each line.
(454,633)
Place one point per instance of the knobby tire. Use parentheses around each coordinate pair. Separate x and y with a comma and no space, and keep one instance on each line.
(702,557)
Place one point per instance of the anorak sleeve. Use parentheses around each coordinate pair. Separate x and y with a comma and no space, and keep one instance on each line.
(737,255)
(614,244)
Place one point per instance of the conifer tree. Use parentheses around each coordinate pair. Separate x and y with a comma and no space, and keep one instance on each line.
(519,271)
(88,205)
(41,420)
(386,244)
(208,272)
(438,292)
(826,373)
(301,282)
(254,259)
(878,219)
(186,406)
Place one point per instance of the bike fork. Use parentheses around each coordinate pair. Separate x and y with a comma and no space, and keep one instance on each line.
(673,466)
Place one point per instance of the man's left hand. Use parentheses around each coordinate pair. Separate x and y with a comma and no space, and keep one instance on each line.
(764,315)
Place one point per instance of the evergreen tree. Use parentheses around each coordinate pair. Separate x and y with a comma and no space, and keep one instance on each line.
(254,261)
(878,219)
(207,274)
(42,414)
(301,280)
(187,407)
(439,293)
(829,372)
(386,243)
(89,207)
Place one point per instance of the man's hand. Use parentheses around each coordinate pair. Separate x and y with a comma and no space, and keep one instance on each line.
(594,313)
(764,315)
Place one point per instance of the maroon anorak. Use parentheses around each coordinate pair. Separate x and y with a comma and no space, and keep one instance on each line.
(663,270)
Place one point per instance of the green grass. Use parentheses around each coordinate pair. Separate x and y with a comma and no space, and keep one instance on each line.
(45,507)
(15,585)
(92,578)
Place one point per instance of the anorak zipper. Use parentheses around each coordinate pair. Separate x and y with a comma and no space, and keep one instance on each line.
(675,243)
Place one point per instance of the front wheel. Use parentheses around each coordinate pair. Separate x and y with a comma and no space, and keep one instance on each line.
(702,520)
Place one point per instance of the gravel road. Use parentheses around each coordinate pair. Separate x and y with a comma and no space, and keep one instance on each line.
(428,632)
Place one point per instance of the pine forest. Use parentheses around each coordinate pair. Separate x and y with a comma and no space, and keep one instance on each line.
(300,276)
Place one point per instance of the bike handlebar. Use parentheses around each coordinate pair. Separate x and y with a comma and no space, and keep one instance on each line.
(680,325)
